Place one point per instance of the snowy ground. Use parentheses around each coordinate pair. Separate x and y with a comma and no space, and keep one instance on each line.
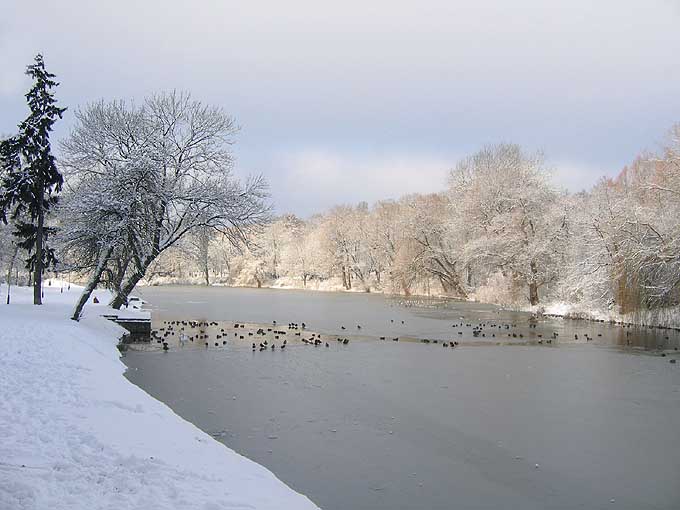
(77,435)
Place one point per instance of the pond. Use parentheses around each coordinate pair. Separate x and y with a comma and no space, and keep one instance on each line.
(404,425)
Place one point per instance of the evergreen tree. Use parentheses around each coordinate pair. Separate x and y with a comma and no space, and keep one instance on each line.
(30,178)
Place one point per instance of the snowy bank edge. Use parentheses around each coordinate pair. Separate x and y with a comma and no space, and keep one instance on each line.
(168,461)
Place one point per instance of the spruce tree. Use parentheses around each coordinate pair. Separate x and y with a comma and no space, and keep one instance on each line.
(30,178)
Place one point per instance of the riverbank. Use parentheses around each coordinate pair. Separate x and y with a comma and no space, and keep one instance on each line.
(665,318)
(77,434)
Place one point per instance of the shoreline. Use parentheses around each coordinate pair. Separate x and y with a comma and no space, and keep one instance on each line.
(555,309)
(64,387)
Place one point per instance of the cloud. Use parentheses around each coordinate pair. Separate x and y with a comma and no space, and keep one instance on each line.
(15,55)
(372,89)
(313,180)
(578,176)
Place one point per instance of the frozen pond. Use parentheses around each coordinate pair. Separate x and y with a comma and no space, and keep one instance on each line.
(403,425)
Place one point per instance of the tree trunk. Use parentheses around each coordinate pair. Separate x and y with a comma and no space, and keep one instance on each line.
(38,268)
(451,285)
(206,274)
(91,284)
(533,286)
(9,270)
(406,287)
(121,296)
(533,294)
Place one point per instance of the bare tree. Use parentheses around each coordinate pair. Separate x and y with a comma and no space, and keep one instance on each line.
(171,163)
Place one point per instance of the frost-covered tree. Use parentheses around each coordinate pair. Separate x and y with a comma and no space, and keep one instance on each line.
(434,244)
(30,178)
(101,214)
(178,152)
(199,242)
(504,202)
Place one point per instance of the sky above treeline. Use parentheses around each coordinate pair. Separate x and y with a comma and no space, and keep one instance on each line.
(341,102)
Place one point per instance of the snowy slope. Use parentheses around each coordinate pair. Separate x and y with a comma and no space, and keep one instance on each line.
(75,434)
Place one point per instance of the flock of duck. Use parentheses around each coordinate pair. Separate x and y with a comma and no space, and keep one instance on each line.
(271,338)
(197,332)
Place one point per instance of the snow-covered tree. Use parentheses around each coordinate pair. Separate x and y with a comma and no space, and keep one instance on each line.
(179,153)
(30,178)
(504,202)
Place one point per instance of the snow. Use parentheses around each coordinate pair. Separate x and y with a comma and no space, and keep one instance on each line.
(77,435)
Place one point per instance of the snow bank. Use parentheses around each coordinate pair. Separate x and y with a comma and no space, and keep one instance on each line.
(661,317)
(75,434)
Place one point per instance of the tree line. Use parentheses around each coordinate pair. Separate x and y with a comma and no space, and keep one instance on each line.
(149,194)
(501,232)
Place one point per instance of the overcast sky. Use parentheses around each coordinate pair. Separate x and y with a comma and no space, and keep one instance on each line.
(361,100)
